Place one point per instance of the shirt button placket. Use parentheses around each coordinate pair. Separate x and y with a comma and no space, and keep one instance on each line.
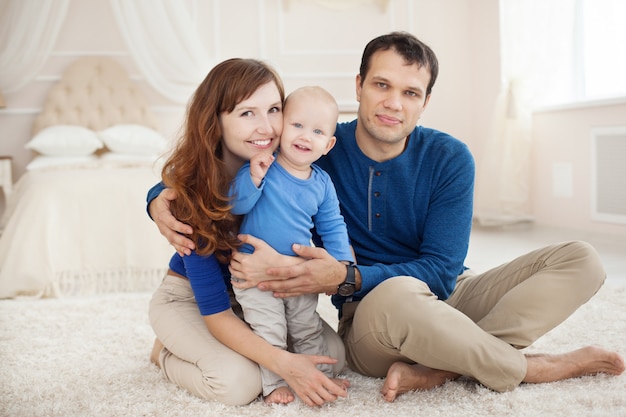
(377,203)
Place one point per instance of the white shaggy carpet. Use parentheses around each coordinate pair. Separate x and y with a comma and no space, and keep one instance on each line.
(89,357)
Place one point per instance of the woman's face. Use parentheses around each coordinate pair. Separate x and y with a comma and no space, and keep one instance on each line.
(254,126)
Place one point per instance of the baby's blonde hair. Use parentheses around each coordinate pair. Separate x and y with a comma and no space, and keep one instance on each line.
(317,92)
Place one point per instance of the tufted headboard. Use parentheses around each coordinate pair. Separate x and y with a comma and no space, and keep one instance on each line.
(95,92)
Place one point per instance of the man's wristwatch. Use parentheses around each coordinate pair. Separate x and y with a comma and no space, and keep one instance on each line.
(348,287)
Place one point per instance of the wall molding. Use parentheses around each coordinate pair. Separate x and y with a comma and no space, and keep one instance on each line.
(80,53)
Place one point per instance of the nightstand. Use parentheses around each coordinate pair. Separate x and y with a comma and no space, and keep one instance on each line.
(6,175)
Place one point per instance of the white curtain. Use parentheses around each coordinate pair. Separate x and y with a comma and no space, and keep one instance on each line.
(162,38)
(28,32)
(536,42)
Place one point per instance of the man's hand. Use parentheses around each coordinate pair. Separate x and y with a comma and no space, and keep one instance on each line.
(321,273)
(169,227)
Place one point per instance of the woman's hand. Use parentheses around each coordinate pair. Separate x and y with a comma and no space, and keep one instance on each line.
(321,273)
(299,371)
(169,227)
(250,269)
(311,385)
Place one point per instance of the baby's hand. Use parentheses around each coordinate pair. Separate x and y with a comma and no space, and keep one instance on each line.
(259,164)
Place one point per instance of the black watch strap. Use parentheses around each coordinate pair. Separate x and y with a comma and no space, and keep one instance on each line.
(348,287)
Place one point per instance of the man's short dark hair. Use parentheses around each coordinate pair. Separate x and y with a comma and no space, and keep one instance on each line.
(409,47)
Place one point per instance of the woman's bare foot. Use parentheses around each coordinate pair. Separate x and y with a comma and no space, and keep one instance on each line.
(402,377)
(281,395)
(589,360)
(156,351)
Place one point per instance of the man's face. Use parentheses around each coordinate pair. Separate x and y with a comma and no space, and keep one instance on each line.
(391,99)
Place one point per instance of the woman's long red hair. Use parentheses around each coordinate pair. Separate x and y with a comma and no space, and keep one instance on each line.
(196,170)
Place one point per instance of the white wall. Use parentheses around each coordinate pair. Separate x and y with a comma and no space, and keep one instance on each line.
(308,43)
(563,137)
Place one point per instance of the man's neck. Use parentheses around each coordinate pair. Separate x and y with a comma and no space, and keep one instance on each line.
(378,150)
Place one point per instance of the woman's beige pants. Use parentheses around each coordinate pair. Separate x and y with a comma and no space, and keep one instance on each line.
(476,332)
(194,360)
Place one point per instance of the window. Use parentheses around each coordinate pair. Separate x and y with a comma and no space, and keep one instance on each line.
(602,34)
(564,51)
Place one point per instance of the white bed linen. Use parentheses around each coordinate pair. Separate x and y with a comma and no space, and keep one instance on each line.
(81,231)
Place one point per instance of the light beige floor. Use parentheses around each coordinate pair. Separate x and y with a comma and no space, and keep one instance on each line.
(492,246)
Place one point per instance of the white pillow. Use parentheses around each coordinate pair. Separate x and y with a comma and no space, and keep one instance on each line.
(46,162)
(112,159)
(133,139)
(65,140)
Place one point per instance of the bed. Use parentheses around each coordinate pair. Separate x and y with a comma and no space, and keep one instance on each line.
(76,222)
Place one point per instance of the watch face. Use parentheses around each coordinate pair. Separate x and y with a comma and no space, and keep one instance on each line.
(346,289)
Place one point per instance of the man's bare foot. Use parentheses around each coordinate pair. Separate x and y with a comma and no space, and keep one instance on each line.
(156,350)
(589,360)
(281,395)
(402,377)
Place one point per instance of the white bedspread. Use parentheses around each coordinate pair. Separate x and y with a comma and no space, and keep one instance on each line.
(79,232)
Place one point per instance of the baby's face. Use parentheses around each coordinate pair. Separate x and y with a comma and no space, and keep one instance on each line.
(308,129)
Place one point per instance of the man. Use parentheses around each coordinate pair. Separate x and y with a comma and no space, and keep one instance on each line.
(410,311)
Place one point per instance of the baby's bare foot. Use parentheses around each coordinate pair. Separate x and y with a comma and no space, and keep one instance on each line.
(341,382)
(281,395)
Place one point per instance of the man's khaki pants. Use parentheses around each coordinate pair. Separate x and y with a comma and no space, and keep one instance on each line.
(478,330)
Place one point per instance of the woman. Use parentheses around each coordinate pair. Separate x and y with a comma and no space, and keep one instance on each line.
(202,344)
